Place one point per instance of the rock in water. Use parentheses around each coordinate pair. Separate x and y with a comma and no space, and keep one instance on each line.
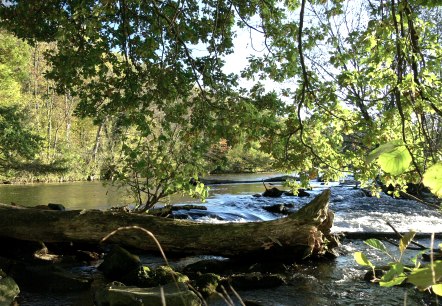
(8,289)
(273,193)
(118,262)
(172,294)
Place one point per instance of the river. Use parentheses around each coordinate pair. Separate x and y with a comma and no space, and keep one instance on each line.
(337,282)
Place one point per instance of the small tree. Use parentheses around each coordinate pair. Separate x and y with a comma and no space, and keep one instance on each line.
(161,157)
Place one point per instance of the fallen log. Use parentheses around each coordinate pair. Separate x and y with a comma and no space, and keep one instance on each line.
(302,234)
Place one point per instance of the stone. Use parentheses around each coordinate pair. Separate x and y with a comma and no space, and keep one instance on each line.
(118,262)
(145,277)
(338,198)
(9,289)
(173,294)
(51,278)
(277,209)
(164,211)
(54,206)
(303,193)
(207,283)
(273,193)
(378,273)
(86,256)
(255,280)
(140,277)
(212,266)
(165,274)
(188,207)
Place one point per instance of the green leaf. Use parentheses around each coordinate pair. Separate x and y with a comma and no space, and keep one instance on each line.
(423,277)
(362,260)
(437,289)
(405,240)
(395,162)
(394,282)
(377,244)
(395,276)
(433,179)
(393,157)
(384,148)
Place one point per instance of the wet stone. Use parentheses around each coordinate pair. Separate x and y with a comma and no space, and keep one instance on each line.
(255,280)
(175,294)
(8,289)
(279,208)
(54,206)
(211,266)
(206,283)
(118,262)
(273,193)
(369,276)
(50,278)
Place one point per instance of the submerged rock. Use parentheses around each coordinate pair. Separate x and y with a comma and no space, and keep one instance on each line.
(55,206)
(273,193)
(165,274)
(279,208)
(145,277)
(8,289)
(174,294)
(207,283)
(139,277)
(255,280)
(119,262)
(49,278)
(301,193)
(212,266)
(188,207)
(370,276)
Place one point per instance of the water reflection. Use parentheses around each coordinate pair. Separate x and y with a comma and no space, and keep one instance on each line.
(102,195)
(78,195)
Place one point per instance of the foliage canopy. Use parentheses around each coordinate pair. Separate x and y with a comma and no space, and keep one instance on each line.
(354,75)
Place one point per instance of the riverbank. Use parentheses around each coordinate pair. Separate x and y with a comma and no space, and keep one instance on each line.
(310,283)
(337,282)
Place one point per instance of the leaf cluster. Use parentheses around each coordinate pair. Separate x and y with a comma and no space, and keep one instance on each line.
(426,277)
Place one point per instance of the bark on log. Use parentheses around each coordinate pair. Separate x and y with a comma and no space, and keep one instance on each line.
(299,235)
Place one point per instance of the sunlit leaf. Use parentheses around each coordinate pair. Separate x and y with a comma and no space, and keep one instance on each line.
(395,162)
(433,179)
(384,148)
(362,260)
(377,244)
(395,276)
(423,277)
(405,240)
(437,289)
(393,282)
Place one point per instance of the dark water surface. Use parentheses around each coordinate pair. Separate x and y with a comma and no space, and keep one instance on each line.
(336,282)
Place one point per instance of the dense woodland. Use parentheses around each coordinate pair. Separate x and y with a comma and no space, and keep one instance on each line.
(136,91)
(46,139)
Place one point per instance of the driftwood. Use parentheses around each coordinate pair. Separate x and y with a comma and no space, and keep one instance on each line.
(304,233)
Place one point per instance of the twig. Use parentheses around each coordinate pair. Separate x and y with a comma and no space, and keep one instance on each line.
(227,296)
(237,295)
(412,197)
(400,236)
(264,185)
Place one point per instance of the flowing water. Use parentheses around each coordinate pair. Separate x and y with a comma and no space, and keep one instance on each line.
(337,282)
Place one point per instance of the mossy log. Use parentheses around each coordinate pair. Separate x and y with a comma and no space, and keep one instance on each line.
(302,234)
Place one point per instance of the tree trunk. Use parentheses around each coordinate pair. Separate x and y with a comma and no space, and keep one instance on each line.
(299,235)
